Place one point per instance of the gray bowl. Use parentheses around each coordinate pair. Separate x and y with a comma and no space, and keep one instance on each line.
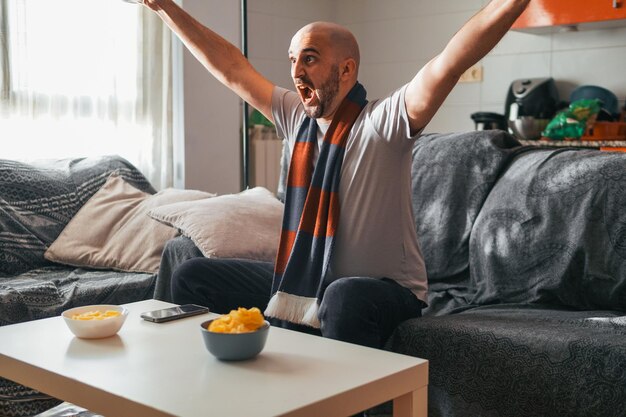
(235,346)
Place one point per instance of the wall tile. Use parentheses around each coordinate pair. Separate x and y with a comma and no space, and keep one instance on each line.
(282,76)
(358,11)
(260,35)
(520,43)
(317,10)
(452,119)
(260,6)
(350,11)
(605,67)
(500,71)
(427,35)
(304,9)
(374,41)
(444,6)
(589,39)
(409,39)
(283,29)
(265,67)
(382,79)
(271,27)
(465,93)
(492,107)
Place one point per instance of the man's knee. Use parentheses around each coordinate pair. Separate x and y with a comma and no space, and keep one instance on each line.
(346,298)
(346,311)
(345,292)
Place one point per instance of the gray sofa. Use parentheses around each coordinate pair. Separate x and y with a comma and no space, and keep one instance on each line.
(525,250)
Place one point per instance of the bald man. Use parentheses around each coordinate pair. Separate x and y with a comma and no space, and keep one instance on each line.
(364,265)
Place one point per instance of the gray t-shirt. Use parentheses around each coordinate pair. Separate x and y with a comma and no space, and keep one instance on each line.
(376,236)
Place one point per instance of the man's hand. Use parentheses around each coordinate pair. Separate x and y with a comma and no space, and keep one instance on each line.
(430,87)
(152,4)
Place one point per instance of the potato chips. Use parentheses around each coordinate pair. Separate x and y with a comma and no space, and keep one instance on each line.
(96,315)
(241,320)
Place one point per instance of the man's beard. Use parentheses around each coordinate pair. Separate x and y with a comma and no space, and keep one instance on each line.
(326,94)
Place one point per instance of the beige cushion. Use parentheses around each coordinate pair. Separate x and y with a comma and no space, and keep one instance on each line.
(113,231)
(245,225)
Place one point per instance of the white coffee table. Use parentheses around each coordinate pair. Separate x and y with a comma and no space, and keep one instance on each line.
(164,369)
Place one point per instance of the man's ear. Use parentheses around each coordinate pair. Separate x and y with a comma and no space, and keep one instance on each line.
(347,69)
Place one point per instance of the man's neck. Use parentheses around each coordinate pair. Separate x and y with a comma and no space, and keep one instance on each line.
(323,121)
(326,119)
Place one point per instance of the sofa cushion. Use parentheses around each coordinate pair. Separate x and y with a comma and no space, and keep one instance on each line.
(113,230)
(244,225)
(552,231)
(452,175)
(38,199)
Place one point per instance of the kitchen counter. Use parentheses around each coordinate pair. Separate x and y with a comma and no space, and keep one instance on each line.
(602,144)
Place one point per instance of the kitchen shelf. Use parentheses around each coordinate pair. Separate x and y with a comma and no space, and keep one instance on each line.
(603,135)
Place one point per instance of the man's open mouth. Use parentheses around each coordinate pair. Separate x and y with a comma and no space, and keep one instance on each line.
(305,92)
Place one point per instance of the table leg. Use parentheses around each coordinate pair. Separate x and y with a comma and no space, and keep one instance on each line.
(413,404)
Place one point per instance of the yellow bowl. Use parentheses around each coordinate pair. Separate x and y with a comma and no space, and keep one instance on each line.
(95,329)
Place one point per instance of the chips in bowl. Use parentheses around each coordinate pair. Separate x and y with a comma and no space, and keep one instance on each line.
(95,321)
(241,320)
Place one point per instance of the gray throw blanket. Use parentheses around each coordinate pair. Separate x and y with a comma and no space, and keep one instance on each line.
(36,202)
(504,223)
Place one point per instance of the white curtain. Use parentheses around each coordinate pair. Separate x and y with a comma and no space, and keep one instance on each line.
(85,78)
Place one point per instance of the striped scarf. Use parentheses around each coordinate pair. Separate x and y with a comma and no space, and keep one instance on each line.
(311,216)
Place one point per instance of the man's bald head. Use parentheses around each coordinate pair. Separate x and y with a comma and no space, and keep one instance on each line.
(338,37)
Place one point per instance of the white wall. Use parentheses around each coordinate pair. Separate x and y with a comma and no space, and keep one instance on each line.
(398,36)
(212,112)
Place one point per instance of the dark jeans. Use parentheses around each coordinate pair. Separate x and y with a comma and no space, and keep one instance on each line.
(359,310)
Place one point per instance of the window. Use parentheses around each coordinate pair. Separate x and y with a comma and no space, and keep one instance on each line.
(84,78)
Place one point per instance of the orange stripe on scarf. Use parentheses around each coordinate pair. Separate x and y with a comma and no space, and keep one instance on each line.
(323,221)
(301,156)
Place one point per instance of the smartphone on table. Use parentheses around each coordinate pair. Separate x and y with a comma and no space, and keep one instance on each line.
(174,313)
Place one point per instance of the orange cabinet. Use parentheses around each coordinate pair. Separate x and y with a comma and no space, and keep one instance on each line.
(569,13)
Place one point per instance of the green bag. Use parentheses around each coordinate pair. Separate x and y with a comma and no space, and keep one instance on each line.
(572,123)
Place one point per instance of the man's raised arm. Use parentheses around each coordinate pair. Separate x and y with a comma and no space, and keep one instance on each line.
(220,57)
(430,87)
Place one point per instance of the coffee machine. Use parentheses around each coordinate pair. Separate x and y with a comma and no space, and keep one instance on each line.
(530,105)
(536,97)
